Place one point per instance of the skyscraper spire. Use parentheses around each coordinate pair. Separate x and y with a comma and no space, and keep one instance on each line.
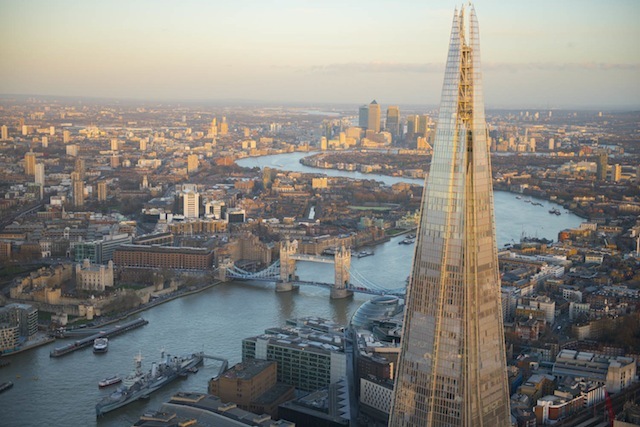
(452,367)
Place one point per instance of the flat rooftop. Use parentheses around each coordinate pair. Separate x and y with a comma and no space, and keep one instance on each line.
(247,369)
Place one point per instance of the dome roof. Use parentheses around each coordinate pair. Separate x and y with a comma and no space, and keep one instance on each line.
(377,308)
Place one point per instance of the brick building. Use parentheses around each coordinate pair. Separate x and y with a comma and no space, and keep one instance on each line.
(253,386)
(163,257)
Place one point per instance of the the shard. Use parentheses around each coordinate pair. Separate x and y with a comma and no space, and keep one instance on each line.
(452,366)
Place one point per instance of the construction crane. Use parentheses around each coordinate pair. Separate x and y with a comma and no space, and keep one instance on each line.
(609,406)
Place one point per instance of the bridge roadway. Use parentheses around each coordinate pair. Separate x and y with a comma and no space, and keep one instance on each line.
(313,258)
(357,289)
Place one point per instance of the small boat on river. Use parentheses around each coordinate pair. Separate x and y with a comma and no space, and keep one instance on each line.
(363,254)
(100,345)
(407,241)
(109,381)
(5,386)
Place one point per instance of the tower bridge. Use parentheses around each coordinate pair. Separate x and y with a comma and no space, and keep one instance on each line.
(282,272)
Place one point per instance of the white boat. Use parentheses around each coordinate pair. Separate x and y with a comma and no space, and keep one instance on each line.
(100,345)
(407,241)
(109,381)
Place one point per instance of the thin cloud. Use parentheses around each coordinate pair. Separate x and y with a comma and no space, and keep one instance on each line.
(378,67)
(398,67)
(567,66)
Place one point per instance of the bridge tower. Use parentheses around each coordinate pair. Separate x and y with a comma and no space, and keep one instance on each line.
(342,276)
(287,265)
(224,264)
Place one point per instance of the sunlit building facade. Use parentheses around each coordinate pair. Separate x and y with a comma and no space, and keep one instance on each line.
(452,367)
(373,118)
(191,204)
(39,178)
(102,191)
(77,186)
(30,163)
(393,122)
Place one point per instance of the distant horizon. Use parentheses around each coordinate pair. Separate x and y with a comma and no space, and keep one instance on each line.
(569,54)
(266,103)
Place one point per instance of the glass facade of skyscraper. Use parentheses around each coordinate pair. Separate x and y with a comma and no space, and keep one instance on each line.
(452,368)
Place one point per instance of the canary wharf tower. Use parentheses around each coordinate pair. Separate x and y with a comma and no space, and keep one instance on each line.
(452,368)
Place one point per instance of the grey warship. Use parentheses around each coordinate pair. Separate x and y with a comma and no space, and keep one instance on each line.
(139,384)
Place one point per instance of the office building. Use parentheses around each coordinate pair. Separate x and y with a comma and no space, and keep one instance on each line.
(100,251)
(88,250)
(9,337)
(80,168)
(77,188)
(392,124)
(45,142)
(422,125)
(602,166)
(39,177)
(214,209)
(307,359)
(213,129)
(4,133)
(375,398)
(236,215)
(102,191)
(30,163)
(412,127)
(24,316)
(616,372)
(452,366)
(373,122)
(192,163)
(615,173)
(72,150)
(224,127)
(66,137)
(363,116)
(191,204)
(539,307)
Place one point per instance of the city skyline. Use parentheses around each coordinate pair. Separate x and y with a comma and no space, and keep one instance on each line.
(580,55)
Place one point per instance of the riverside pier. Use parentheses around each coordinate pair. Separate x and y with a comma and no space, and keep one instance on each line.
(110,332)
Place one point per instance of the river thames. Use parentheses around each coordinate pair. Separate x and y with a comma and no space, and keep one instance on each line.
(64,391)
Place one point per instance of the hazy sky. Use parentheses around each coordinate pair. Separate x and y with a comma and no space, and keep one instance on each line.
(544,53)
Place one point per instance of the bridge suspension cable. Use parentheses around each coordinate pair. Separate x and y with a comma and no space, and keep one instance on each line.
(359,280)
(271,272)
